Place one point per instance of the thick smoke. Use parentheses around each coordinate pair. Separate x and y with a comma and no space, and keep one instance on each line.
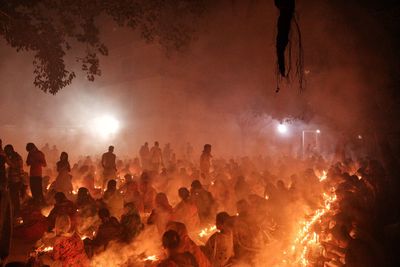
(198,95)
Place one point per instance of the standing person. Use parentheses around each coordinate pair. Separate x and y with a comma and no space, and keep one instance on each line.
(109,165)
(144,154)
(156,158)
(36,160)
(63,181)
(219,247)
(3,180)
(15,172)
(205,161)
(167,153)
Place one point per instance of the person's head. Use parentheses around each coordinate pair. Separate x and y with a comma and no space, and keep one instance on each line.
(280,185)
(171,241)
(83,193)
(156,144)
(183,193)
(62,225)
(146,144)
(9,149)
(178,227)
(162,200)
(207,148)
(112,185)
(59,197)
(130,208)
(222,220)
(111,149)
(196,185)
(104,214)
(64,156)
(30,147)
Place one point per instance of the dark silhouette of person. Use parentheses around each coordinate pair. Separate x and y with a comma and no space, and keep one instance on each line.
(15,172)
(36,160)
(109,165)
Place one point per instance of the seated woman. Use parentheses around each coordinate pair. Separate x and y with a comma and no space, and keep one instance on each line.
(187,244)
(161,214)
(186,210)
(63,181)
(85,203)
(109,230)
(68,247)
(130,223)
(219,247)
(63,206)
(176,257)
(113,199)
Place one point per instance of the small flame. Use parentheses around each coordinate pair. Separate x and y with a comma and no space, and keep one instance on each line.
(46,211)
(151,258)
(323,176)
(208,231)
(44,249)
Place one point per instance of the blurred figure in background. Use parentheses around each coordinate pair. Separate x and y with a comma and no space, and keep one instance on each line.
(205,162)
(171,242)
(144,154)
(36,160)
(63,181)
(15,173)
(109,165)
(156,158)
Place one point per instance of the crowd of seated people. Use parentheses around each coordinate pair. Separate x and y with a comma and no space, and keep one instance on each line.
(82,211)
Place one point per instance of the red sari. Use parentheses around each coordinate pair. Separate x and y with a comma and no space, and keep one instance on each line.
(70,251)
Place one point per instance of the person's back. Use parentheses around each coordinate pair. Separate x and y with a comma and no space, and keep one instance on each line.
(108,160)
(171,242)
(36,160)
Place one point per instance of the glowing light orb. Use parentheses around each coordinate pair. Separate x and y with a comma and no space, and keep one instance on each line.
(318,131)
(106,125)
(282,128)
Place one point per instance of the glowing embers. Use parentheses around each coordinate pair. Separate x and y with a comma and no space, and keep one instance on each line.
(323,176)
(44,249)
(307,240)
(105,126)
(151,258)
(208,231)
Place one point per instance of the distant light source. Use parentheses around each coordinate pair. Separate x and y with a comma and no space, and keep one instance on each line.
(318,131)
(106,125)
(360,136)
(282,128)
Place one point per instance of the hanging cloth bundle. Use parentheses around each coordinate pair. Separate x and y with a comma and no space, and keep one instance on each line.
(286,9)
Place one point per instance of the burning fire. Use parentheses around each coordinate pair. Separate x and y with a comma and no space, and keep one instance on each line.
(323,176)
(44,249)
(306,239)
(151,258)
(205,232)
(46,211)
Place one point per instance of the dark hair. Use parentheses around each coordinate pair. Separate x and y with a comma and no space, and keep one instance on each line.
(184,193)
(30,146)
(111,148)
(9,148)
(104,213)
(222,217)
(171,239)
(196,184)
(59,197)
(111,183)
